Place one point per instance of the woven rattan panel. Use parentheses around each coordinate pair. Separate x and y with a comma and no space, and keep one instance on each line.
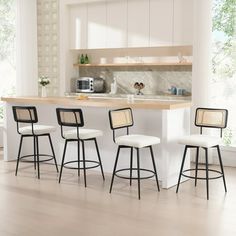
(121,118)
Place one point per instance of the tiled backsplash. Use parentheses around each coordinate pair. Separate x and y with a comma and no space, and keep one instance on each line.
(48,42)
(157,79)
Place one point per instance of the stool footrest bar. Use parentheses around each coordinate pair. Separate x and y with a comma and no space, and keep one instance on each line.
(134,169)
(65,165)
(41,155)
(202,178)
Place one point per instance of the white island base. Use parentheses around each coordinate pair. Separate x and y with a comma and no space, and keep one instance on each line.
(167,124)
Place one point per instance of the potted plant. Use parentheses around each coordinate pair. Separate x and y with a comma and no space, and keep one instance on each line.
(44,81)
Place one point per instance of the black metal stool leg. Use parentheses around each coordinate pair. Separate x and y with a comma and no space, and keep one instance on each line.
(207,177)
(196,167)
(99,158)
(35,161)
(221,166)
(181,168)
(114,170)
(37,151)
(154,167)
(78,150)
(53,153)
(138,172)
(84,164)
(131,165)
(18,157)
(62,161)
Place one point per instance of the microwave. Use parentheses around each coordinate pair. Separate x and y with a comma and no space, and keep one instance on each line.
(90,85)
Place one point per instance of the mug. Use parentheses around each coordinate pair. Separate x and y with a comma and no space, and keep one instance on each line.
(173,90)
(180,91)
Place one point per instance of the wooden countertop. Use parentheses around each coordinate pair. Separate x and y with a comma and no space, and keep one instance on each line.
(100,102)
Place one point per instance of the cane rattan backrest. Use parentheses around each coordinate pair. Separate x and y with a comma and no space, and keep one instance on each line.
(211,118)
(121,118)
(25,114)
(70,117)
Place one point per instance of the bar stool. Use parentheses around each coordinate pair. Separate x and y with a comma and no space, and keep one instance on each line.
(205,118)
(28,115)
(123,118)
(74,118)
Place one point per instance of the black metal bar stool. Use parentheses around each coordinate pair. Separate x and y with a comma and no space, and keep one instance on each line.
(28,115)
(205,118)
(123,118)
(74,118)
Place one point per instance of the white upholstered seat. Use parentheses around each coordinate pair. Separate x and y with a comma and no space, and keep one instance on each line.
(38,129)
(137,141)
(199,140)
(83,133)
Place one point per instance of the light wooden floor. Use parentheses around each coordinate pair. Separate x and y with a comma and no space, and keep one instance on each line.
(29,206)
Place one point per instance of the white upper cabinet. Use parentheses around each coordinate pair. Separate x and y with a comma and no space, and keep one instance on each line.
(78,26)
(131,23)
(138,23)
(183,22)
(161,22)
(117,24)
(96,24)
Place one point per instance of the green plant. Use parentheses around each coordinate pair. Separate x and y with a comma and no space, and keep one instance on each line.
(1,112)
(7,31)
(224,46)
(44,80)
(227,136)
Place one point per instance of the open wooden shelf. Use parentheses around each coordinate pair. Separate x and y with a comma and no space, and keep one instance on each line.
(135,64)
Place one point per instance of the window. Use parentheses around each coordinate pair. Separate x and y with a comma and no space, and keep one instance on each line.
(7,49)
(223,83)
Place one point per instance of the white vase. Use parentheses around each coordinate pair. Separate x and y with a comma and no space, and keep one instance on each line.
(43,91)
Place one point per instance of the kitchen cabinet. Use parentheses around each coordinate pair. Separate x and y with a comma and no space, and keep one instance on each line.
(167,119)
(117,24)
(183,22)
(138,23)
(96,24)
(131,23)
(78,26)
(161,22)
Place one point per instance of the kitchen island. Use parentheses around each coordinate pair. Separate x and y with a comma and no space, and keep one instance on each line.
(165,118)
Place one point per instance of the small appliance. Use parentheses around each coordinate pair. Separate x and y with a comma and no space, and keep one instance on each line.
(90,85)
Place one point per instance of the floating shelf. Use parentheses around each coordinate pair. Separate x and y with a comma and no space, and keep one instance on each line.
(135,64)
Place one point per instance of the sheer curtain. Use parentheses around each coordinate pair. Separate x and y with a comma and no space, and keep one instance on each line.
(201,74)
(26,48)
(202,47)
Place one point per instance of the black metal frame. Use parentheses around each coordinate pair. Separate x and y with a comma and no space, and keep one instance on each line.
(138,169)
(29,109)
(35,137)
(207,169)
(79,141)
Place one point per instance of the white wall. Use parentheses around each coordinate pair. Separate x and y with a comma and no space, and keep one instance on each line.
(1,135)
(26,48)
